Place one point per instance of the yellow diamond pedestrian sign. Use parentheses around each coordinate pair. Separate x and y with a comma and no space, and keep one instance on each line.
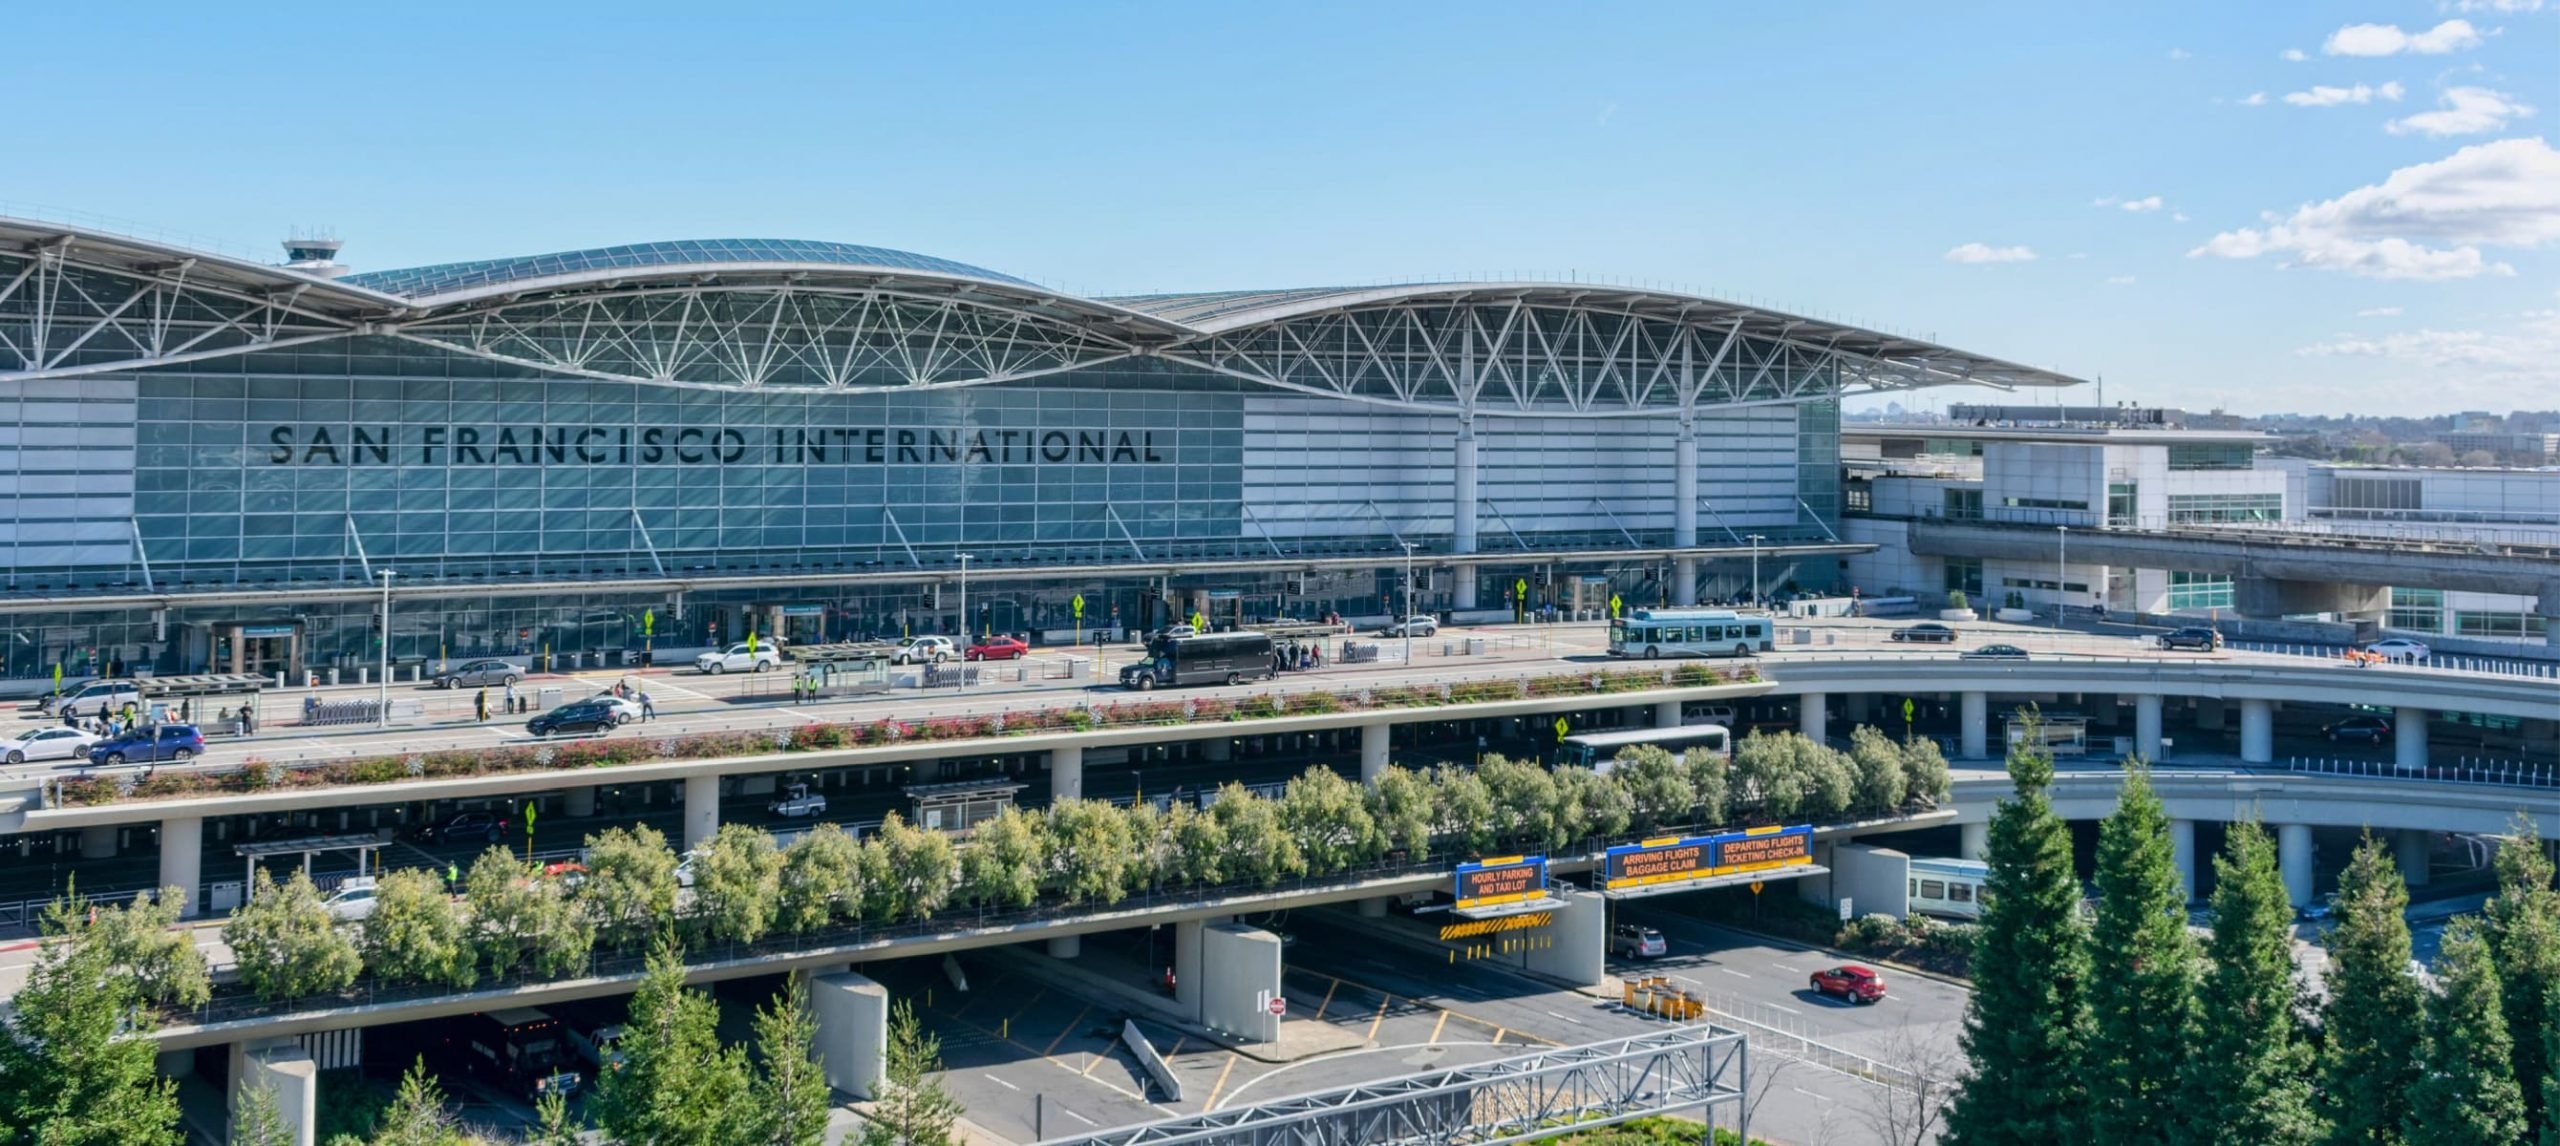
(1078,604)
(1906,711)
(1562,728)
(1615,604)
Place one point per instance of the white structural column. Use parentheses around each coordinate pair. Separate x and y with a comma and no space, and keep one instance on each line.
(1976,741)
(1684,511)
(2293,855)
(1066,946)
(578,801)
(701,810)
(285,1069)
(1973,839)
(1066,773)
(1240,968)
(1813,714)
(2412,848)
(2409,737)
(182,857)
(1373,751)
(1666,714)
(2257,731)
(2182,852)
(1575,948)
(2146,726)
(853,1031)
(1684,580)
(1462,507)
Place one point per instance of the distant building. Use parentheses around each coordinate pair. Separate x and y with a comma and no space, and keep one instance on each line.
(2509,448)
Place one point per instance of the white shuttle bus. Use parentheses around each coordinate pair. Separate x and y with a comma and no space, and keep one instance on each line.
(1652,633)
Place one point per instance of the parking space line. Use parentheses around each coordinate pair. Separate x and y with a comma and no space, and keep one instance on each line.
(1783,1007)
(1036,996)
(1177,1047)
(1066,1030)
(1497,1036)
(1221,1084)
(1378,1018)
(1732,972)
(998,1080)
(1069,1112)
(1435,1027)
(1328,999)
(1785,968)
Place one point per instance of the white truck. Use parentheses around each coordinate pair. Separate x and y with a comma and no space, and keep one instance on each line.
(924,650)
(798,800)
(738,658)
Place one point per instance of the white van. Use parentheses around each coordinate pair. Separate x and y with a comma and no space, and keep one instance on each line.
(98,697)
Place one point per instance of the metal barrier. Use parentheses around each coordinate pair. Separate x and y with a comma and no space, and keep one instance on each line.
(1777,1033)
(2495,773)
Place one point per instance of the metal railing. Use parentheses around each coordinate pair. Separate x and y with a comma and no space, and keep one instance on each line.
(2470,770)
(1779,1033)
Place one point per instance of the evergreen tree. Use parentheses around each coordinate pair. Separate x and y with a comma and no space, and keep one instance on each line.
(2247,1074)
(1594,806)
(2551,1079)
(2466,1089)
(554,1125)
(790,1094)
(256,1119)
(2524,941)
(2368,1053)
(1402,805)
(519,918)
(1329,817)
(630,889)
(677,1085)
(71,1071)
(1093,851)
(821,880)
(418,1115)
(917,869)
(1657,784)
(1259,846)
(911,1109)
(2141,976)
(2027,1024)
(1883,781)
(285,943)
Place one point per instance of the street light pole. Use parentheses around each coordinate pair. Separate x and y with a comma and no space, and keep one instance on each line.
(1405,623)
(1755,540)
(382,700)
(964,620)
(2061,567)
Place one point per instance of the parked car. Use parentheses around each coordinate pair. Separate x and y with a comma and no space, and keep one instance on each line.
(352,902)
(592,715)
(1411,627)
(798,800)
(739,658)
(2400,650)
(1995,653)
(1637,942)
(625,709)
(1180,631)
(1926,633)
(1851,982)
(481,674)
(150,744)
(486,827)
(96,698)
(2370,729)
(56,742)
(997,649)
(2201,639)
(597,1045)
(924,650)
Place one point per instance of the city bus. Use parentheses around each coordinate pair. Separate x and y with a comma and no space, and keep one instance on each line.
(1596,750)
(1651,633)
(1210,658)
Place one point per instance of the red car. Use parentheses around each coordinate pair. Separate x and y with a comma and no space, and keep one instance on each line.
(996,649)
(1854,983)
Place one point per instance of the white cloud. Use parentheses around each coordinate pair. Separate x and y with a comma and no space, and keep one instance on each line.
(2255,99)
(2379,312)
(2322,95)
(1985,253)
(2119,280)
(2295,55)
(2138,206)
(2489,363)
(2181,54)
(2497,5)
(2463,111)
(2389,40)
(2177,216)
(2426,221)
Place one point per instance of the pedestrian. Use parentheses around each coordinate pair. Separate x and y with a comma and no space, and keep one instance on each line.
(480,705)
(511,696)
(452,877)
(187,711)
(248,718)
(648,706)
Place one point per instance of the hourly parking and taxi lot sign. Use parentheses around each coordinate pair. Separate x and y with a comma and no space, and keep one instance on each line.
(1501,880)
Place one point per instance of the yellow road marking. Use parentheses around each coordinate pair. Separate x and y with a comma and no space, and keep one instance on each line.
(1065,1030)
(1328,999)
(1497,1036)
(1435,1027)
(1177,1046)
(1378,1018)
(1036,996)
(1221,1084)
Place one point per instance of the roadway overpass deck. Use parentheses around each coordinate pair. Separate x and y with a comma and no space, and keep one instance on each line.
(2331,559)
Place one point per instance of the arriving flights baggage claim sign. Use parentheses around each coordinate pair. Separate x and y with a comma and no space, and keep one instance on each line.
(1503,879)
(1673,859)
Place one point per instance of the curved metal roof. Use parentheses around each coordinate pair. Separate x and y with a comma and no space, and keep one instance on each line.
(442,278)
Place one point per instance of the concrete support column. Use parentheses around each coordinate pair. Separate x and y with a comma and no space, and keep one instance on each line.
(2409,737)
(1813,714)
(701,810)
(283,1067)
(182,858)
(1463,591)
(1239,976)
(2293,855)
(853,1031)
(1066,946)
(2182,853)
(1666,714)
(1373,751)
(2257,731)
(1684,491)
(1186,967)
(2146,726)
(578,802)
(1462,508)
(1976,741)
(2412,847)
(1374,907)
(1862,708)
(1574,949)
(1973,840)
(1066,773)
(1684,580)
(98,843)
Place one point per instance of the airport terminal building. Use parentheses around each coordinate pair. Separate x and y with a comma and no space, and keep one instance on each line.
(213,464)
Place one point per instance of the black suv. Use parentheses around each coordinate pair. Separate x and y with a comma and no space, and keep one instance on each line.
(462,826)
(2200,639)
(575,716)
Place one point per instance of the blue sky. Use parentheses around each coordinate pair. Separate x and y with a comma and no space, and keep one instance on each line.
(2371,227)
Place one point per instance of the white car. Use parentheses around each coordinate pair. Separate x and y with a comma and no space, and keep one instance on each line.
(353,901)
(60,742)
(739,659)
(798,800)
(625,709)
(924,650)
(2400,650)
(1411,627)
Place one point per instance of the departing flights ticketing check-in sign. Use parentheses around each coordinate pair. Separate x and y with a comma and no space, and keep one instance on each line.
(1673,860)
(1507,879)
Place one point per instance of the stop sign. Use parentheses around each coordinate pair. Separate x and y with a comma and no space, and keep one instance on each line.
(1279,1005)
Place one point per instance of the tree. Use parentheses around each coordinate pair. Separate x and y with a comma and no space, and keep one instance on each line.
(1883,782)
(1093,851)
(1711,776)
(1401,804)
(2247,1074)
(736,883)
(631,882)
(911,1109)
(1199,845)
(790,1093)
(1329,818)
(143,940)
(2551,1079)
(554,1125)
(821,881)
(1259,846)
(1791,776)
(519,918)
(256,1119)
(418,1115)
(2141,975)
(2027,1023)
(2466,1089)
(1005,860)
(1927,770)
(2368,1053)
(1465,806)
(2524,942)
(414,934)
(1659,791)
(1525,801)
(285,943)
(677,1085)
(918,869)
(1913,1114)
(72,1072)
(1152,862)
(1592,805)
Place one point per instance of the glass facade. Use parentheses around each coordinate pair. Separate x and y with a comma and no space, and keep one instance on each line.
(2199,590)
(2211,456)
(2225,507)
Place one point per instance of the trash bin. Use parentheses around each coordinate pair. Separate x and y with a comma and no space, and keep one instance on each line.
(548,697)
(1475,646)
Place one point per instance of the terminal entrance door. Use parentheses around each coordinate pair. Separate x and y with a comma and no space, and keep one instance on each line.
(263,648)
(798,623)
